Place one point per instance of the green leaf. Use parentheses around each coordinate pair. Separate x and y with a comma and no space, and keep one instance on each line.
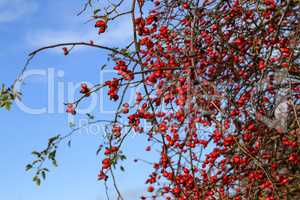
(45,169)
(138,46)
(69,143)
(8,106)
(54,163)
(90,116)
(37,180)
(98,150)
(126,52)
(52,155)
(51,140)
(28,167)
(36,161)
(96,11)
(2,89)
(123,157)
(103,67)
(35,153)
(43,175)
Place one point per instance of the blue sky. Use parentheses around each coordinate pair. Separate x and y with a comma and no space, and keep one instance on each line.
(24,26)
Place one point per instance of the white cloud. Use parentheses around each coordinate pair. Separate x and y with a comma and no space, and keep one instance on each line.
(115,35)
(11,10)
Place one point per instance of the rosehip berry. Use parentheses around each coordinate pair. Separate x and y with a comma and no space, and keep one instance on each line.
(66,51)
(102,176)
(70,109)
(150,188)
(101,30)
(101,24)
(148,148)
(106,163)
(84,89)
(186,5)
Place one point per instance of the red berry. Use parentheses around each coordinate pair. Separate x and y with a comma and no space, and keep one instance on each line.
(66,51)
(70,109)
(84,89)
(150,188)
(106,163)
(102,176)
(186,5)
(100,24)
(101,30)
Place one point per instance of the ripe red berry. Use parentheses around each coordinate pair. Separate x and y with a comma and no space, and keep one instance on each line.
(101,24)
(261,65)
(84,89)
(106,163)
(102,176)
(65,50)
(70,109)
(150,188)
(101,30)
(148,148)
(186,5)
